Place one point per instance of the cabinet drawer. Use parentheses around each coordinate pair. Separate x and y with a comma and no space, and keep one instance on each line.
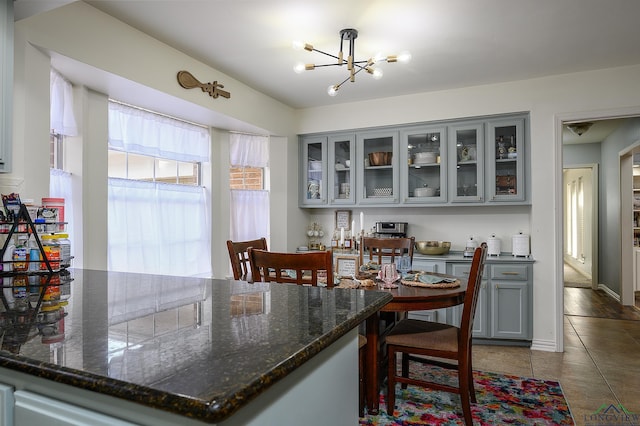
(510,272)
(461,270)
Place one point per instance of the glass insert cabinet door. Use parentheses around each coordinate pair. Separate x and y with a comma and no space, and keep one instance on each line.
(378,175)
(423,157)
(466,144)
(314,170)
(340,169)
(506,162)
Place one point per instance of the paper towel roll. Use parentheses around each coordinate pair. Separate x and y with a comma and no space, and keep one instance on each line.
(520,244)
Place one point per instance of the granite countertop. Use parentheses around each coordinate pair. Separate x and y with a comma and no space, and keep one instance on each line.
(197,347)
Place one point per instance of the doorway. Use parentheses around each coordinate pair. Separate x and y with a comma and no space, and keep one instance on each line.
(580,218)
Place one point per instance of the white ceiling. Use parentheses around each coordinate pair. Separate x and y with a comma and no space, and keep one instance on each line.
(454,43)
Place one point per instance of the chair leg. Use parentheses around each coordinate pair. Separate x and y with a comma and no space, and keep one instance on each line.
(463,379)
(391,381)
(405,368)
(362,384)
(472,390)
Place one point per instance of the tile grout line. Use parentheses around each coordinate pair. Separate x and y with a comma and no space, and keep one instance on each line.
(594,362)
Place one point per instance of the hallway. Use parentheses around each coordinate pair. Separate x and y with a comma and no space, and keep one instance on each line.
(599,365)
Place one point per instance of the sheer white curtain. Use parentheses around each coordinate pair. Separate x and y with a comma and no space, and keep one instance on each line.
(249,208)
(158,228)
(155,227)
(63,120)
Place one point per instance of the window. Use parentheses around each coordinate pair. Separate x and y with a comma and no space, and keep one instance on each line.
(56,147)
(249,158)
(158,212)
(246,178)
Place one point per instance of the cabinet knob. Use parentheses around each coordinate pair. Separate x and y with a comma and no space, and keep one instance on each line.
(510,273)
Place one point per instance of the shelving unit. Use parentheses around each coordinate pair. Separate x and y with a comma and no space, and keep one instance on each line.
(32,299)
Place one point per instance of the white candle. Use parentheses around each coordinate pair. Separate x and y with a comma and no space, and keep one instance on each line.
(353,228)
(361,222)
(342,237)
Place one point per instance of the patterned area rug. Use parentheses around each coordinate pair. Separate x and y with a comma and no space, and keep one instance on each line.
(502,400)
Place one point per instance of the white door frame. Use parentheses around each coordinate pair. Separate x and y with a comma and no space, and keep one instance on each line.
(594,219)
(559,119)
(627,286)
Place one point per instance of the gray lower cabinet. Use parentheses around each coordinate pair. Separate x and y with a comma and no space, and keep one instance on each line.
(504,301)
(34,409)
(6,405)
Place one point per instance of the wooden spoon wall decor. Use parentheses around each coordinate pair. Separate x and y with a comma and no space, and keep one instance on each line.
(188,81)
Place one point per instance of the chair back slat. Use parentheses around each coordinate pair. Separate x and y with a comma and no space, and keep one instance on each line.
(308,268)
(376,249)
(239,257)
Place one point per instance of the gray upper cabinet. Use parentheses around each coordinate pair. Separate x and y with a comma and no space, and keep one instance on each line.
(378,176)
(423,159)
(468,162)
(505,160)
(313,171)
(6,88)
(342,156)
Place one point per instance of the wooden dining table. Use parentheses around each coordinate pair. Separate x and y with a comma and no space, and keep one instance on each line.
(405,298)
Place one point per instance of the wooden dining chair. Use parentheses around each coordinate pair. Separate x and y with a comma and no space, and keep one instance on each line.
(385,249)
(432,340)
(239,258)
(308,268)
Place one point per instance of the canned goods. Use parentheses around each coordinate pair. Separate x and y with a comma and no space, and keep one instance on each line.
(51,251)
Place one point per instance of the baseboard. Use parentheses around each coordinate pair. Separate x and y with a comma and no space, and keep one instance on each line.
(609,292)
(544,345)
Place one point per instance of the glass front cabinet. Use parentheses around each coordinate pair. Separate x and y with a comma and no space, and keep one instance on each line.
(466,146)
(505,165)
(378,176)
(313,170)
(423,159)
(478,161)
(341,169)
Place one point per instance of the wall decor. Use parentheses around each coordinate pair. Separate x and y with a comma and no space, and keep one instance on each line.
(188,81)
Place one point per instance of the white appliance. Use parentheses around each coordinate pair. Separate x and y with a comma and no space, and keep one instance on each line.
(494,246)
(520,245)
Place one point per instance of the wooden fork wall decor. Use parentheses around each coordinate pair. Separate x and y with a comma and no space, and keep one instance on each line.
(188,81)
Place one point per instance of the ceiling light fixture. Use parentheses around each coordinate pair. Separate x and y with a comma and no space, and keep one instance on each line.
(353,66)
(579,128)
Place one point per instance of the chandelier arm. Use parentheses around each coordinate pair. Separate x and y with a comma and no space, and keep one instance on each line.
(329,54)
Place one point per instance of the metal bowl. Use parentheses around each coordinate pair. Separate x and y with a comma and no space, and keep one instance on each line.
(433,247)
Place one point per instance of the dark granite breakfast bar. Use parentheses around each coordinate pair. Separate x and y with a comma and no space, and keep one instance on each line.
(201,349)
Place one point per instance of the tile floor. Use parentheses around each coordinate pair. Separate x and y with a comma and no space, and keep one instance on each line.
(600,363)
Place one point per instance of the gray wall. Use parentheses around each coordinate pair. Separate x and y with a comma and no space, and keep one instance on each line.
(607,155)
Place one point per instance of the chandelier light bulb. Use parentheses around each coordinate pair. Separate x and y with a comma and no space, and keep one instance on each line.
(378,57)
(299,68)
(404,57)
(332,90)
(377,74)
(297,45)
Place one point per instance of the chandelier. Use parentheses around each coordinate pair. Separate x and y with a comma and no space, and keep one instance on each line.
(353,66)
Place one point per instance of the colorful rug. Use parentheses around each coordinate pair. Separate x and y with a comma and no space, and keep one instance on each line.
(502,400)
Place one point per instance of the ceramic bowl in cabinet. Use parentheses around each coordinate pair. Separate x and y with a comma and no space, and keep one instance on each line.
(424,192)
(424,158)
